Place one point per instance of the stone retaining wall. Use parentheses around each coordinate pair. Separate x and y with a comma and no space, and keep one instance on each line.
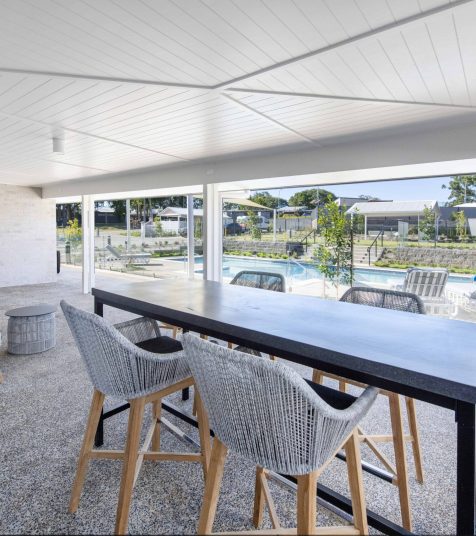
(262,246)
(463,258)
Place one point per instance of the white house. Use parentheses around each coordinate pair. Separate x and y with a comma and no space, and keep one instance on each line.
(173,219)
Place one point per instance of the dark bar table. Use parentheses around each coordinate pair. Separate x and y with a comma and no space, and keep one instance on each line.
(427,358)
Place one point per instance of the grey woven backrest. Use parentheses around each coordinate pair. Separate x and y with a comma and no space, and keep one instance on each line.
(426,282)
(266,412)
(257,279)
(387,299)
(115,365)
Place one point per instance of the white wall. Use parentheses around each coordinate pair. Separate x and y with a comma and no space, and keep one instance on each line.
(27,237)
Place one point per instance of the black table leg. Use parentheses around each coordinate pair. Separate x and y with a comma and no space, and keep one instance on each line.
(465,468)
(99,437)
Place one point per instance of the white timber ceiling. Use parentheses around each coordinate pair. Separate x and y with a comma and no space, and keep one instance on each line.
(145,84)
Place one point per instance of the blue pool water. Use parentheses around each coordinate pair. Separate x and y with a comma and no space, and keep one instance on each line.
(304,270)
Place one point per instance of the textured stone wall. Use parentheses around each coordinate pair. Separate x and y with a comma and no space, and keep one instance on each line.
(262,246)
(463,258)
(27,237)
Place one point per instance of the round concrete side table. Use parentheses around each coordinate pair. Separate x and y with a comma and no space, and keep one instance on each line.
(31,329)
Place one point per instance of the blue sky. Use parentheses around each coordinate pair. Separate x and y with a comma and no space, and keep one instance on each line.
(395,190)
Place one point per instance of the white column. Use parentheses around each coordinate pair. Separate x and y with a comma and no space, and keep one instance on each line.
(274,225)
(190,237)
(128,224)
(87,220)
(212,233)
(365,227)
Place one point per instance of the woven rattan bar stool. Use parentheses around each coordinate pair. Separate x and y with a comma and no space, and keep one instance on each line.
(118,367)
(268,414)
(399,301)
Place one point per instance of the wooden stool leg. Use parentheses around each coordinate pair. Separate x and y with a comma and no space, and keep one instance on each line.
(258,507)
(88,441)
(212,487)
(356,484)
(156,413)
(400,459)
(414,432)
(136,415)
(204,432)
(342,386)
(317,376)
(306,503)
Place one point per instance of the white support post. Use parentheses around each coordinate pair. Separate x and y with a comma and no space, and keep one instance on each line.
(128,224)
(365,227)
(87,219)
(212,233)
(274,225)
(190,237)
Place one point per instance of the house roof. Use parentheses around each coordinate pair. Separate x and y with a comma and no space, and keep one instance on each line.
(393,208)
(179,211)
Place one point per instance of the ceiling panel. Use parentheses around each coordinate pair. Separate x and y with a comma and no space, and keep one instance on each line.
(323,120)
(140,83)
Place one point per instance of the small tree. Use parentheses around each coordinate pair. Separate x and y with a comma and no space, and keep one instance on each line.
(334,255)
(159,228)
(254,229)
(73,233)
(460,220)
(427,224)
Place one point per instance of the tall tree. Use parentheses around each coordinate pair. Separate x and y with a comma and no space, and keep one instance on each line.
(462,189)
(268,200)
(310,198)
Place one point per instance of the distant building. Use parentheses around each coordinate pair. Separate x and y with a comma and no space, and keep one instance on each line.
(385,215)
(173,219)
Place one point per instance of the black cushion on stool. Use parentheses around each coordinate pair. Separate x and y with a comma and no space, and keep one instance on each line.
(336,399)
(161,345)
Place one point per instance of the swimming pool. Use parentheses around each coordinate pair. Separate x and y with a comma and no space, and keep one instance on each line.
(301,271)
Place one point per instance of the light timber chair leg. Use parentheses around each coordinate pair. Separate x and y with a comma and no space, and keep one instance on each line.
(157,413)
(258,506)
(356,484)
(204,433)
(317,376)
(306,503)
(136,415)
(212,487)
(400,459)
(342,386)
(87,446)
(415,434)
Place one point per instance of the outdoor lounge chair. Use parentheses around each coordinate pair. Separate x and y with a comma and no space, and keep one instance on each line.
(398,301)
(429,284)
(268,414)
(130,258)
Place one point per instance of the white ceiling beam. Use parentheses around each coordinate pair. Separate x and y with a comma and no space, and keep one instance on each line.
(346,98)
(55,127)
(270,120)
(94,78)
(351,40)
(453,143)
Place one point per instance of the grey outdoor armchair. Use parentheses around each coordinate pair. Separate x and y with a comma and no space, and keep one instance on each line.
(267,413)
(118,367)
(258,279)
(410,303)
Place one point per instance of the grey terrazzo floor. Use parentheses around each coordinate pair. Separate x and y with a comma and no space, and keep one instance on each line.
(43,407)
